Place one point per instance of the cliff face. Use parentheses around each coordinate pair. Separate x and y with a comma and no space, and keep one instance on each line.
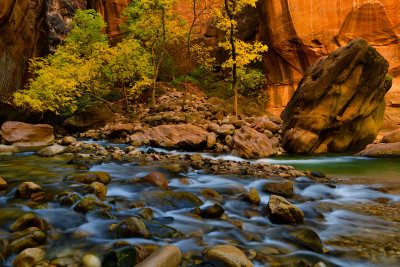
(300,31)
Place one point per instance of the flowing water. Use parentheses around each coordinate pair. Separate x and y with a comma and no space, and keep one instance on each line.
(355,228)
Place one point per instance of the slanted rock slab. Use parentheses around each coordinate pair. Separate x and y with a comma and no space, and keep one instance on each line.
(20,134)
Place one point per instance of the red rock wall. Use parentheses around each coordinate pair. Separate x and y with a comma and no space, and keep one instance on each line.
(299,31)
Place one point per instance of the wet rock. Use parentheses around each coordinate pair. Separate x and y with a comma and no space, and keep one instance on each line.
(318,119)
(3,184)
(392,137)
(68,140)
(21,134)
(157,179)
(170,200)
(382,150)
(318,174)
(69,199)
(226,129)
(90,260)
(280,211)
(29,257)
(90,203)
(7,150)
(99,189)
(212,212)
(248,143)
(22,222)
(90,177)
(146,213)
(120,257)
(5,249)
(210,193)
(229,255)
(167,256)
(211,140)
(308,238)
(284,188)
(27,189)
(160,230)
(28,238)
(253,196)
(51,150)
(212,127)
(132,227)
(209,263)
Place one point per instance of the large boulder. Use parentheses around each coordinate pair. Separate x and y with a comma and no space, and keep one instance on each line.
(392,137)
(382,150)
(21,134)
(91,116)
(339,104)
(249,143)
(172,136)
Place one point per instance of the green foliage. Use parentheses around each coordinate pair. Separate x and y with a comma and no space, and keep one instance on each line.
(251,83)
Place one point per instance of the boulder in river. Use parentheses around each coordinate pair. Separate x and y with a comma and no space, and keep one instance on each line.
(27,189)
(7,150)
(51,150)
(132,227)
(382,150)
(284,188)
(90,177)
(339,104)
(27,238)
(229,255)
(20,134)
(280,211)
(120,257)
(172,136)
(249,143)
(157,179)
(167,256)
(29,257)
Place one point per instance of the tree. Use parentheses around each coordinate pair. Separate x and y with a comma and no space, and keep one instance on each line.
(240,52)
(154,23)
(129,65)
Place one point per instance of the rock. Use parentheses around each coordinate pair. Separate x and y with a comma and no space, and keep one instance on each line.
(392,137)
(99,189)
(27,189)
(90,177)
(21,134)
(91,116)
(29,257)
(160,230)
(51,150)
(212,212)
(211,140)
(132,227)
(281,211)
(253,196)
(22,222)
(69,199)
(284,189)
(90,203)
(229,141)
(170,200)
(68,140)
(172,136)
(90,260)
(226,129)
(125,256)
(382,150)
(3,184)
(339,104)
(167,256)
(317,175)
(5,249)
(7,150)
(157,179)
(210,193)
(209,263)
(308,238)
(212,127)
(248,143)
(229,255)
(27,238)
(118,129)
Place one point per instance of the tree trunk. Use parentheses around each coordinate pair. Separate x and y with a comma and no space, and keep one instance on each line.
(126,97)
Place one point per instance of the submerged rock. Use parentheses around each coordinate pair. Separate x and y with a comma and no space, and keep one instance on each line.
(27,189)
(308,238)
(120,257)
(229,255)
(99,189)
(280,211)
(90,203)
(170,200)
(157,179)
(132,227)
(167,256)
(284,188)
(27,238)
(22,222)
(339,103)
(21,134)
(29,257)
(5,249)
(212,212)
(248,143)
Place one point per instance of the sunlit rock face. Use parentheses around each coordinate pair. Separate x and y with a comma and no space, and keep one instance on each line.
(300,31)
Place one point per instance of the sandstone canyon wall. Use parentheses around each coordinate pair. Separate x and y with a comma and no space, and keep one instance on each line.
(299,31)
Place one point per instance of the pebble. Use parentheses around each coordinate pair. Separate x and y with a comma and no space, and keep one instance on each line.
(90,260)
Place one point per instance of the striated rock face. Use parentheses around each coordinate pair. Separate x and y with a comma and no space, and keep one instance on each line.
(299,31)
(339,104)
